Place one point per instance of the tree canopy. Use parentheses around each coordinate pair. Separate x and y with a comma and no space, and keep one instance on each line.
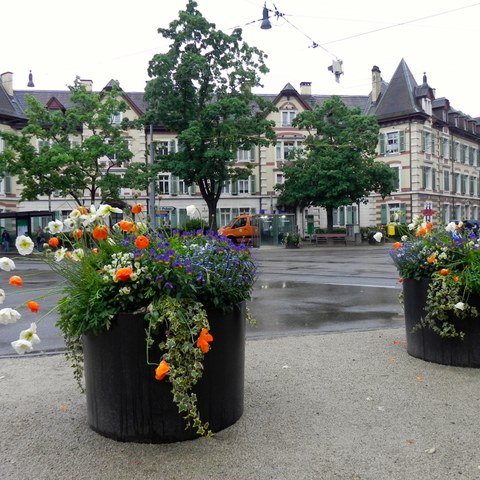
(77,148)
(337,166)
(201,90)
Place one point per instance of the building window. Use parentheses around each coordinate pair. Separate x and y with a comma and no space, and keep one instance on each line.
(446,181)
(226,187)
(245,155)
(392,143)
(164,184)
(287,117)
(116,118)
(428,178)
(471,184)
(284,147)
(445,148)
(427,142)
(446,215)
(243,186)
(279,178)
(397,169)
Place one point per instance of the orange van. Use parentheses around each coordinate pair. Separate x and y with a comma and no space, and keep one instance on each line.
(242,229)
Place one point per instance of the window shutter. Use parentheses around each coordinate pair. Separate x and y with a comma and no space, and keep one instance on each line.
(182,217)
(423,141)
(452,150)
(341,212)
(253,189)
(434,176)
(401,141)
(252,153)
(191,189)
(235,187)
(433,144)
(172,146)
(424,177)
(173,185)
(384,214)
(381,141)
(8,184)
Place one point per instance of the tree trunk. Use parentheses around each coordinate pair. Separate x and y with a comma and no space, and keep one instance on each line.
(329,219)
(212,215)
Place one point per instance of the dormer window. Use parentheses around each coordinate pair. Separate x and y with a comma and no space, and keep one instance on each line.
(427,105)
(287,117)
(116,118)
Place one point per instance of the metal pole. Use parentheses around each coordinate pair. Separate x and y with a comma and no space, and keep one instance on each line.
(151,204)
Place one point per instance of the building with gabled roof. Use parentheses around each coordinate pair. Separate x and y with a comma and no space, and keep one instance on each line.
(434,149)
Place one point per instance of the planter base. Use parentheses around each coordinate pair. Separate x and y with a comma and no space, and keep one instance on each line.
(427,345)
(126,403)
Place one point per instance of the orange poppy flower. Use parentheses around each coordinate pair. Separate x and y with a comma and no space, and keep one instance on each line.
(161,370)
(137,208)
(423,231)
(16,281)
(53,242)
(432,258)
(429,226)
(397,245)
(123,274)
(142,242)
(77,233)
(126,225)
(203,340)
(83,210)
(33,306)
(100,232)
(443,271)
(456,278)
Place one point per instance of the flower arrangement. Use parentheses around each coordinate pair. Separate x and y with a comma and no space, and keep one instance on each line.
(449,256)
(173,278)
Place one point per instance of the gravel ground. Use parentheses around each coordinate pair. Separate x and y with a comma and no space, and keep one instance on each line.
(351,406)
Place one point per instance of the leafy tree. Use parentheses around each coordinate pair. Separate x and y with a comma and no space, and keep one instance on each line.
(79,147)
(338,166)
(201,90)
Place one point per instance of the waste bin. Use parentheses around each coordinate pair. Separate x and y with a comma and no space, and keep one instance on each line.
(391,230)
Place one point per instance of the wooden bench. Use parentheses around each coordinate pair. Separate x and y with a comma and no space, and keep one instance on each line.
(329,238)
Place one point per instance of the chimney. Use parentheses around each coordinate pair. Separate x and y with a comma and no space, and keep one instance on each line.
(376,84)
(87,84)
(7,82)
(305,88)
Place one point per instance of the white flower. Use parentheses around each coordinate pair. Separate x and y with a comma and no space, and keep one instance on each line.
(78,254)
(191,210)
(60,254)
(30,334)
(22,346)
(7,264)
(378,236)
(411,226)
(106,210)
(24,245)
(55,226)
(404,238)
(451,227)
(460,306)
(69,223)
(2,295)
(8,315)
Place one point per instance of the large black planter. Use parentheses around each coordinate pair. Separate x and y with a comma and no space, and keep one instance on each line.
(424,343)
(126,403)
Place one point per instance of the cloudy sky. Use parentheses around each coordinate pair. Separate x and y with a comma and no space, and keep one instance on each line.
(111,39)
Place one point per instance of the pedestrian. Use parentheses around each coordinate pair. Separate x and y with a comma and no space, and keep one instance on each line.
(6,241)
(40,238)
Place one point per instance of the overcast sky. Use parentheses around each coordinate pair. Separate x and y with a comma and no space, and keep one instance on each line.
(102,40)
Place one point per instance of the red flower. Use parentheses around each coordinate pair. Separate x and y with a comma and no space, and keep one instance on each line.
(33,306)
(203,340)
(142,242)
(100,232)
(53,242)
(137,208)
(16,281)
(123,274)
(161,370)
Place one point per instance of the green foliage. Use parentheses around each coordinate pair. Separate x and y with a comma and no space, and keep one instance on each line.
(338,166)
(80,148)
(450,258)
(201,89)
